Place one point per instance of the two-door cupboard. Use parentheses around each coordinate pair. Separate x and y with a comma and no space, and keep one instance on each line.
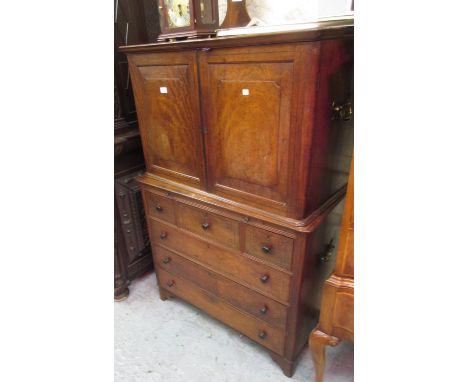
(246,162)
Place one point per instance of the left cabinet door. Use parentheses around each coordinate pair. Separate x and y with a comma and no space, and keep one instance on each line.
(167,101)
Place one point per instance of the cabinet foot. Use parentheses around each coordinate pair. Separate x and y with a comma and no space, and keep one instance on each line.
(286,365)
(164,294)
(121,291)
(317,342)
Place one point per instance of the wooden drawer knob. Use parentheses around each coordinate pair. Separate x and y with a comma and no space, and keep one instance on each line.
(264,278)
(167,260)
(264,309)
(267,249)
(170,283)
(205,226)
(262,334)
(163,235)
(159,208)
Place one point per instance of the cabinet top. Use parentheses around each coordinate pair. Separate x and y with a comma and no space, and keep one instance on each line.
(333,28)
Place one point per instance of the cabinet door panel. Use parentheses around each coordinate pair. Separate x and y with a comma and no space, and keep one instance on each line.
(247,103)
(167,105)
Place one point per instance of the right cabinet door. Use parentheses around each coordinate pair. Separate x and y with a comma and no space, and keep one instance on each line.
(248,104)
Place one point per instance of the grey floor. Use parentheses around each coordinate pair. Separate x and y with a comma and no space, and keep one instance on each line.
(172,341)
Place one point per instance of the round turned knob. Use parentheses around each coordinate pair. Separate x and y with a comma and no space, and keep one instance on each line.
(267,249)
(159,208)
(262,334)
(166,260)
(205,226)
(170,283)
(264,309)
(163,235)
(264,278)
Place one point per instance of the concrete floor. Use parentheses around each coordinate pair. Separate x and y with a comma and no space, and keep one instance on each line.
(172,341)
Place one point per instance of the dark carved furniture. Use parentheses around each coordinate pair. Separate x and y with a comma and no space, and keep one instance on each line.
(132,253)
(134,23)
(242,182)
(337,313)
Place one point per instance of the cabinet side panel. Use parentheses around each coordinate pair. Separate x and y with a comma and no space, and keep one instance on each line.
(316,269)
(332,141)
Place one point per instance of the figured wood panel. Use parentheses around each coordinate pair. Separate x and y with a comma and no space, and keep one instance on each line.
(166,91)
(274,338)
(227,262)
(238,295)
(248,104)
(249,137)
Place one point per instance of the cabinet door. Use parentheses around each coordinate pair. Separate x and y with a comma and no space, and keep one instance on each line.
(247,103)
(166,95)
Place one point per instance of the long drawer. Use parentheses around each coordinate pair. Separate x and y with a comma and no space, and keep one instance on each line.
(242,297)
(254,274)
(259,331)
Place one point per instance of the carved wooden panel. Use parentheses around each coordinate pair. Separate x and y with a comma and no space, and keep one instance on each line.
(248,126)
(167,104)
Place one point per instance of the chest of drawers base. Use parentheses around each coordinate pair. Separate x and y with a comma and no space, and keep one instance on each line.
(261,278)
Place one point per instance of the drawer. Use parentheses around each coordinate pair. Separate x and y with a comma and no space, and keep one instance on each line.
(258,276)
(209,225)
(240,296)
(269,246)
(259,331)
(159,207)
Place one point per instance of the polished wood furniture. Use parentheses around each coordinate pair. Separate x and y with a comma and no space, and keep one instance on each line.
(337,313)
(242,178)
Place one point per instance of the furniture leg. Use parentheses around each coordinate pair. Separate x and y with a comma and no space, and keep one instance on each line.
(317,342)
(164,294)
(286,365)
(121,293)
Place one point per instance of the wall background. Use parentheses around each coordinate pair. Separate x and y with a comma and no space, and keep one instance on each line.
(291,11)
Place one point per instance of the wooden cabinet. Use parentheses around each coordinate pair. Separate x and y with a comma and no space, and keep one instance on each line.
(337,315)
(241,188)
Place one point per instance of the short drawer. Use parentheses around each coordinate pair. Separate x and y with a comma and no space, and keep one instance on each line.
(259,331)
(159,207)
(256,275)
(209,225)
(269,246)
(240,296)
